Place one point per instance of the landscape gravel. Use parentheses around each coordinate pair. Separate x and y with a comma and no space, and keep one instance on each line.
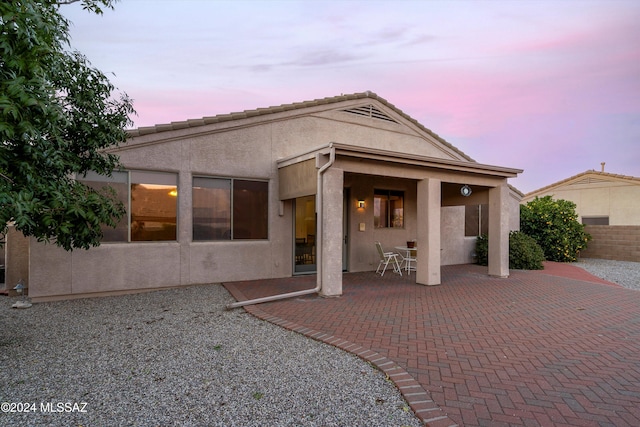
(177,358)
(624,273)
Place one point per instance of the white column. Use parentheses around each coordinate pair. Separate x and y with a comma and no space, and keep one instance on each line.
(429,201)
(499,230)
(331,245)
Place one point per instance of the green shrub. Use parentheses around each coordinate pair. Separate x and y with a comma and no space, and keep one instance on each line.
(524,252)
(554,225)
(482,250)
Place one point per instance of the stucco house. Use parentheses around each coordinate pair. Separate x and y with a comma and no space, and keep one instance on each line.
(601,198)
(609,206)
(294,189)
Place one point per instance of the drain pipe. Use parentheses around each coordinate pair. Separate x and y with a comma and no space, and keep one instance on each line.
(332,159)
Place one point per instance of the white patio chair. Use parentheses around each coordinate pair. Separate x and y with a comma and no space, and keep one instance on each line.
(385,259)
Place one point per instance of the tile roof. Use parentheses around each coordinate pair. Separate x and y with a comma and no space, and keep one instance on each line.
(605,175)
(287,107)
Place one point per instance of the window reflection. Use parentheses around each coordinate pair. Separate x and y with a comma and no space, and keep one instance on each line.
(117,185)
(211,209)
(151,201)
(153,212)
(230,209)
(305,233)
(388,209)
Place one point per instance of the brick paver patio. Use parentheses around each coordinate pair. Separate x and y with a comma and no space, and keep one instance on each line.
(554,347)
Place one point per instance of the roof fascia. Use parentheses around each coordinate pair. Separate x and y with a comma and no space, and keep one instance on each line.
(401,158)
(571,180)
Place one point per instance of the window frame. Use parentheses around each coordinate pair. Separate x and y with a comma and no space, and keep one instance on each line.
(232,208)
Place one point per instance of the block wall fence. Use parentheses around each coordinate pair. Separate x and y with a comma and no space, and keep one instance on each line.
(616,242)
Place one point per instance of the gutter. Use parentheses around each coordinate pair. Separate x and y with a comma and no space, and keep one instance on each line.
(318,288)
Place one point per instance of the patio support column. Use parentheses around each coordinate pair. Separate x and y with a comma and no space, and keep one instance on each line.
(331,246)
(429,203)
(499,230)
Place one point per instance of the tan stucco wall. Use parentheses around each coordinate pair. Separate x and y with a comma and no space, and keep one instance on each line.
(619,200)
(456,247)
(248,150)
(514,211)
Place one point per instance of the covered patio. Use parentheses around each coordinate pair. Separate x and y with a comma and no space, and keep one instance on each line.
(344,178)
(552,347)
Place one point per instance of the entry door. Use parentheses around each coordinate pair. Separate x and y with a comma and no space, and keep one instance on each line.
(304,235)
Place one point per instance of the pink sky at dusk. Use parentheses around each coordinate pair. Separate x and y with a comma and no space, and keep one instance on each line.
(551,87)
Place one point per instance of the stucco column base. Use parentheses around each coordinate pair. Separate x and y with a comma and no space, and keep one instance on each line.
(331,232)
(429,202)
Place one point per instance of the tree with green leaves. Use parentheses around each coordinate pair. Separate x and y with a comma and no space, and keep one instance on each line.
(58,115)
(554,225)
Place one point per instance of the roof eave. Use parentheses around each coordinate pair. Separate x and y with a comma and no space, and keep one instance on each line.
(403,158)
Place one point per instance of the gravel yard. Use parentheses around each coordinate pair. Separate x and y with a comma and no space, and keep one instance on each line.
(624,273)
(176,357)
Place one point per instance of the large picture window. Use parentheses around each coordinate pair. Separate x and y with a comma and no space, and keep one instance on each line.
(388,209)
(230,209)
(150,199)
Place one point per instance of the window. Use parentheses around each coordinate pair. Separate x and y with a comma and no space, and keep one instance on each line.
(476,220)
(150,199)
(154,206)
(119,185)
(230,209)
(388,209)
(211,209)
(595,220)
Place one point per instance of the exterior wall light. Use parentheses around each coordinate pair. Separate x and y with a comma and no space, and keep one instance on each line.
(466,190)
(360,204)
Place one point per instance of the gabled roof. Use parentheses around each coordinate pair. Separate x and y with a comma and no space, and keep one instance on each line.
(289,107)
(587,177)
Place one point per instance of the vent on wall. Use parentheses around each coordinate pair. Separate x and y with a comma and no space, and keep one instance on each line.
(590,180)
(370,111)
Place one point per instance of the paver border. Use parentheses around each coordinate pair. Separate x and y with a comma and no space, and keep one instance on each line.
(419,400)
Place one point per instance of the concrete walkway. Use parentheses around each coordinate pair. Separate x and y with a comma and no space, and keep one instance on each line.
(554,347)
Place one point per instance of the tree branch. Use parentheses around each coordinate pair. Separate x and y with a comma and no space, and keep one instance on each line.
(6,177)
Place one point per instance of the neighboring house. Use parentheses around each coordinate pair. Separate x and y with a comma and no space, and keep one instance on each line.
(608,205)
(273,192)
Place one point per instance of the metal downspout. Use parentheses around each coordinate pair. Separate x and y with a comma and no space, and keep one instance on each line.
(332,158)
